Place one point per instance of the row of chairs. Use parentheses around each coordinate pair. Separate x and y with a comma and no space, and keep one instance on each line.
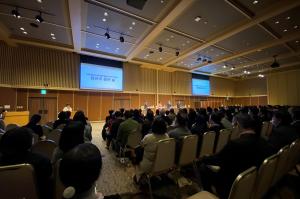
(253,183)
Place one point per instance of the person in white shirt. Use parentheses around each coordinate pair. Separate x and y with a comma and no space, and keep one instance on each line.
(67,108)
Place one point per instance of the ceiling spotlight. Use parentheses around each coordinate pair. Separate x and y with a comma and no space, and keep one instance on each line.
(297,41)
(25,33)
(198,18)
(52,34)
(177,53)
(285,30)
(53,38)
(296,26)
(288,18)
(39,18)
(160,49)
(133,23)
(276,22)
(245,72)
(107,35)
(255,2)
(121,39)
(104,20)
(224,66)
(261,76)
(16,13)
(22,28)
(248,72)
(105,14)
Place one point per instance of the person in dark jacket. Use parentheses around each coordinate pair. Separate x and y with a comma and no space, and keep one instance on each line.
(113,130)
(34,125)
(237,156)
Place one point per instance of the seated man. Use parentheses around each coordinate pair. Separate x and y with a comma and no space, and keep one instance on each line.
(125,129)
(282,132)
(238,155)
(181,126)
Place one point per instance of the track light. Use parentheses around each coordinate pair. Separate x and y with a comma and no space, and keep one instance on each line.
(39,18)
(107,35)
(177,53)
(160,49)
(122,39)
(16,13)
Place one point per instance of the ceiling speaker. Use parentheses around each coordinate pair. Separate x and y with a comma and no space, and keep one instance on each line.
(138,4)
(275,64)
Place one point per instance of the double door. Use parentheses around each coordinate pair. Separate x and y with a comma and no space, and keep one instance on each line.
(44,106)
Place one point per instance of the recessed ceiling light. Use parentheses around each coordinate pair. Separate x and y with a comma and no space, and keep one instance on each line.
(22,28)
(288,18)
(255,2)
(183,44)
(172,36)
(232,68)
(104,19)
(248,72)
(39,1)
(245,71)
(117,48)
(160,58)
(296,26)
(285,30)
(133,23)
(167,39)
(87,27)
(105,14)
(53,38)
(224,66)
(162,1)
(197,19)
(187,41)
(52,34)
(276,22)
(297,41)
(97,46)
(130,28)
(205,22)
(25,33)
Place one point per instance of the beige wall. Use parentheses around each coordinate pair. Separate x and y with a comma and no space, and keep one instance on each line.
(250,87)
(284,88)
(221,87)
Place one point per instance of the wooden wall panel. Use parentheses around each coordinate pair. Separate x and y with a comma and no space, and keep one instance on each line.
(132,77)
(106,104)
(256,86)
(149,98)
(221,87)
(94,106)
(22,99)
(8,97)
(65,97)
(135,101)
(164,82)
(81,101)
(164,99)
(181,83)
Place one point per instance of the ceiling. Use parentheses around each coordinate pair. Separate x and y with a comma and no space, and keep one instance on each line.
(227,38)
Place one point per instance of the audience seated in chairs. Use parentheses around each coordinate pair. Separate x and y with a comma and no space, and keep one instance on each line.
(238,155)
(146,127)
(296,119)
(2,117)
(181,126)
(149,143)
(107,123)
(79,116)
(78,171)
(14,149)
(71,136)
(282,132)
(113,129)
(34,125)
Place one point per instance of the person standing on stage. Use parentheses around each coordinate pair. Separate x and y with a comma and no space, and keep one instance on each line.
(67,108)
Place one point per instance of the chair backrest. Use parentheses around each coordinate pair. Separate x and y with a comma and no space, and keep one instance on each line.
(188,150)
(235,133)
(134,138)
(223,139)
(44,147)
(11,127)
(281,164)
(49,124)
(18,181)
(207,146)
(165,156)
(293,156)
(61,126)
(46,130)
(243,185)
(265,176)
(54,135)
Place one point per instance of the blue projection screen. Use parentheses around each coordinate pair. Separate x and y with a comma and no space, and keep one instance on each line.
(99,77)
(200,86)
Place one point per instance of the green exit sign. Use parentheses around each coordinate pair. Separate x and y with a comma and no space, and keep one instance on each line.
(43,91)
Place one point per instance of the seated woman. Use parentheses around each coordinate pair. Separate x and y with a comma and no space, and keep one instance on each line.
(159,129)
(34,125)
(78,171)
(62,119)
(79,116)
(71,136)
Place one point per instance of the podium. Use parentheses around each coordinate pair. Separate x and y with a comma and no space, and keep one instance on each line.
(20,118)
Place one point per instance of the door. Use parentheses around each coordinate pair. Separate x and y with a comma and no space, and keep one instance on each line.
(46,107)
